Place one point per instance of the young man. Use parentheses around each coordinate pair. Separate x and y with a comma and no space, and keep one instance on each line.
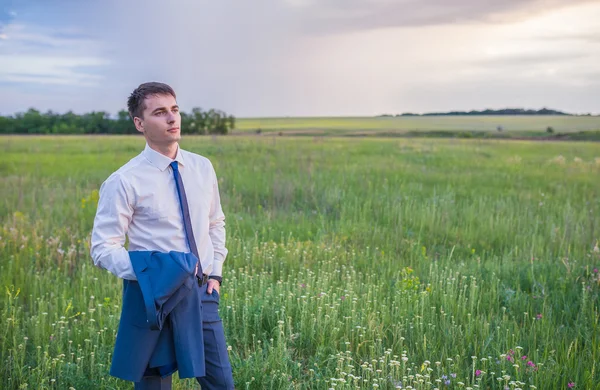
(166,200)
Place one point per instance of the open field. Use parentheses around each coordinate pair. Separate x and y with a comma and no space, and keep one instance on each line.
(354,263)
(522,125)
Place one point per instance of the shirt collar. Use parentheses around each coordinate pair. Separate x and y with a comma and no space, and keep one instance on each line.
(160,160)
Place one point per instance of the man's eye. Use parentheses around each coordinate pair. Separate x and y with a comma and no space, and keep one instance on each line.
(176,110)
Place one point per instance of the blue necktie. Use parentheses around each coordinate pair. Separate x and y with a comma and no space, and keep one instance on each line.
(187,222)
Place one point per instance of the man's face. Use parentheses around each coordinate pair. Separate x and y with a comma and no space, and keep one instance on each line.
(161,122)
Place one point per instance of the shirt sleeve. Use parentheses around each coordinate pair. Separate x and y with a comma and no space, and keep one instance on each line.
(111,223)
(216,229)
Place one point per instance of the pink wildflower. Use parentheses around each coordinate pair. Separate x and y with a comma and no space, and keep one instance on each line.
(571,385)
(477,372)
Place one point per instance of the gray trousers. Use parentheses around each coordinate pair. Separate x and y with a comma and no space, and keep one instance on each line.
(218,368)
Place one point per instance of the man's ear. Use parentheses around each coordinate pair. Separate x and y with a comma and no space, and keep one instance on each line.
(139,124)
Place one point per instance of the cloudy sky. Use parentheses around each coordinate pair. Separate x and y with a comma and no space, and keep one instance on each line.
(302,57)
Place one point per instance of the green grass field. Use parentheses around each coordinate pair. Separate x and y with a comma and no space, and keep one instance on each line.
(525,125)
(354,263)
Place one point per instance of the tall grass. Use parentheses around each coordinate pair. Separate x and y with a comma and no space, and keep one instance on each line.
(353,263)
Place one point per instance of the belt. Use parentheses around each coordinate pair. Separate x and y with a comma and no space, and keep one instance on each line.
(202,280)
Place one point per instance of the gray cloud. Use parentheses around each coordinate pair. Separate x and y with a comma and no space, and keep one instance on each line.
(586,38)
(524,60)
(44,55)
(280,57)
(259,57)
(332,16)
(501,92)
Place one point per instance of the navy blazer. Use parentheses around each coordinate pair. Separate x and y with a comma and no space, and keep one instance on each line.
(146,338)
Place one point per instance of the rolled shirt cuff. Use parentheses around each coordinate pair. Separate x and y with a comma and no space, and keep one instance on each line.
(217,268)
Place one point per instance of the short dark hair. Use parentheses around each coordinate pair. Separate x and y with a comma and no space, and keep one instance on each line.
(135,103)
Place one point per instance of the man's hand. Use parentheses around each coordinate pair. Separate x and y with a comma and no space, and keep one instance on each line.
(213,284)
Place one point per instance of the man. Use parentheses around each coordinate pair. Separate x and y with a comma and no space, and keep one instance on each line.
(165,200)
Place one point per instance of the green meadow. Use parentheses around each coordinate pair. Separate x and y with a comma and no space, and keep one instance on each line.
(354,263)
(512,126)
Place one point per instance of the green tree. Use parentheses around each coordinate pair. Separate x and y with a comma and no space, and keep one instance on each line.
(34,122)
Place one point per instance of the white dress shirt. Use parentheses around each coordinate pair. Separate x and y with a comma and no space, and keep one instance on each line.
(140,201)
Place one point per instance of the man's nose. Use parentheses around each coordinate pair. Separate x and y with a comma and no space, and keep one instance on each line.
(171,117)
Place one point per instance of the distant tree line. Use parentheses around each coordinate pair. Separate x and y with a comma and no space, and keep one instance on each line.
(506,111)
(35,122)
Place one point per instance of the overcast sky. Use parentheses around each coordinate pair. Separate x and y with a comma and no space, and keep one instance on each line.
(302,57)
